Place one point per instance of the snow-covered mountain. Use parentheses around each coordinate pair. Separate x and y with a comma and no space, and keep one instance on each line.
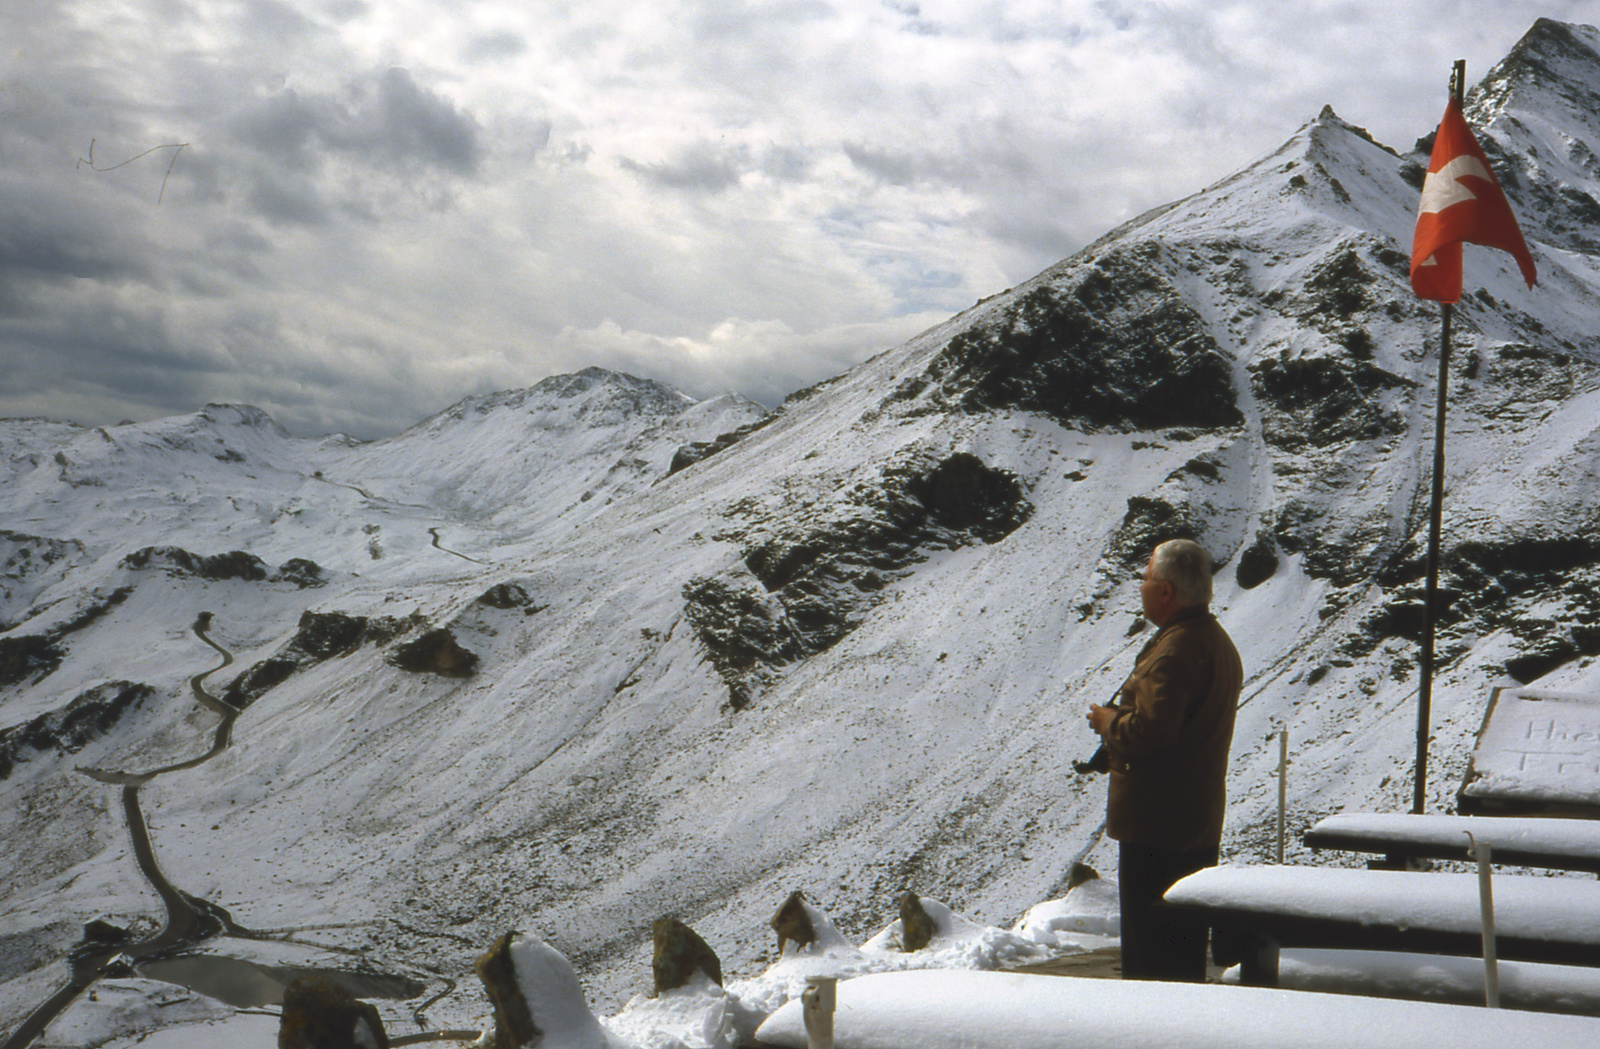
(844,647)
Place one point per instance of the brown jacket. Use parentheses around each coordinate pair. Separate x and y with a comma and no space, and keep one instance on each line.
(1169,742)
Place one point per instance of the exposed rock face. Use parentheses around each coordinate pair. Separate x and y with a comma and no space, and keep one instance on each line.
(436,652)
(321,636)
(28,564)
(28,656)
(235,564)
(319,1014)
(917,930)
(506,596)
(1257,563)
(1322,401)
(257,681)
(745,630)
(1112,346)
(36,656)
(302,572)
(692,453)
(1149,522)
(89,716)
(793,923)
(679,953)
(963,495)
(804,584)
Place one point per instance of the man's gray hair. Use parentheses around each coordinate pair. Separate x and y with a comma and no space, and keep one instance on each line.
(1185,564)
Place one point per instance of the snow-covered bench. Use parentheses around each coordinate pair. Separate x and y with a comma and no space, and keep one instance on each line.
(1557,844)
(947,1009)
(1254,911)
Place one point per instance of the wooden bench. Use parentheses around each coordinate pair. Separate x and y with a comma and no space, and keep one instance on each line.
(1555,844)
(1255,911)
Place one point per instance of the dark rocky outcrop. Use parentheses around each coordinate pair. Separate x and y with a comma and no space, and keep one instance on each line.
(323,635)
(29,656)
(435,652)
(1343,549)
(319,1014)
(320,636)
(743,628)
(697,451)
(1504,583)
(1112,346)
(1322,401)
(256,681)
(1149,522)
(235,564)
(678,954)
(90,715)
(804,584)
(1081,874)
(1258,562)
(101,931)
(27,562)
(302,572)
(25,657)
(506,596)
(964,495)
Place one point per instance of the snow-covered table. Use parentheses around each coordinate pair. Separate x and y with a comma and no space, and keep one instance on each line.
(1254,911)
(1519,841)
(952,1009)
(1538,753)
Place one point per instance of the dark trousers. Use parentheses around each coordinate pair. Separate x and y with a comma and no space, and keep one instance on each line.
(1157,944)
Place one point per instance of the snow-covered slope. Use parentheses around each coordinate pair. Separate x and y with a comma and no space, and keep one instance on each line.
(847,647)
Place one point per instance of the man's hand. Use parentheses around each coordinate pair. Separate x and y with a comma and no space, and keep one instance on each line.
(1100,718)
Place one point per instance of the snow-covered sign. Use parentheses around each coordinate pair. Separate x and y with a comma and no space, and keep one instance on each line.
(1538,751)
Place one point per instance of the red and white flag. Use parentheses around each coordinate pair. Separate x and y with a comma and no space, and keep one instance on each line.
(1461,202)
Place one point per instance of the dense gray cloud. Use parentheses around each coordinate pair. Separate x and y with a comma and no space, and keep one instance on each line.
(382,119)
(353,214)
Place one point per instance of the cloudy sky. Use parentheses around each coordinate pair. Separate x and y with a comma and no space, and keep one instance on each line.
(355,212)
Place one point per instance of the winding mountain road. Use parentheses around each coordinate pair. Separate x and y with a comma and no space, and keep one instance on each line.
(189,920)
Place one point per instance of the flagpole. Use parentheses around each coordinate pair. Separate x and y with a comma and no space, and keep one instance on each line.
(1435,521)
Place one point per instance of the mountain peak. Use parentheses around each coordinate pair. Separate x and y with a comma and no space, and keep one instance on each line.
(228,414)
(1554,61)
(646,394)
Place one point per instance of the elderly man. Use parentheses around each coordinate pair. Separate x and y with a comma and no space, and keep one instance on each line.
(1167,739)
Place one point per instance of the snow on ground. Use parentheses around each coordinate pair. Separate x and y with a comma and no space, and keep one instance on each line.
(704,1016)
(700,1015)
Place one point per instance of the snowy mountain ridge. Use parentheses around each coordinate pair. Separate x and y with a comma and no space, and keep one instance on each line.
(907,582)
